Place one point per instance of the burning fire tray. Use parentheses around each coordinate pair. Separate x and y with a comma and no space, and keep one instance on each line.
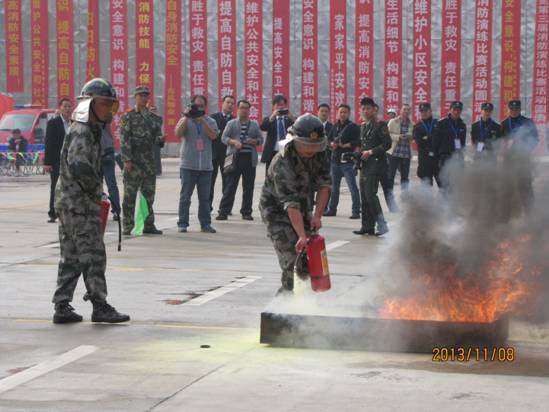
(387,335)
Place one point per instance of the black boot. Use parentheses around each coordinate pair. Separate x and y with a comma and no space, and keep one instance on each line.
(64,313)
(152,231)
(103,312)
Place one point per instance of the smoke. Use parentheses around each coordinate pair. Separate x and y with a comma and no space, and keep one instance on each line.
(488,211)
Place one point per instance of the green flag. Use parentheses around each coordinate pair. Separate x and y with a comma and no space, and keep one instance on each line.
(141,214)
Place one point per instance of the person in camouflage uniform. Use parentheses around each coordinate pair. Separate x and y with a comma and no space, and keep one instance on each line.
(140,130)
(301,165)
(78,204)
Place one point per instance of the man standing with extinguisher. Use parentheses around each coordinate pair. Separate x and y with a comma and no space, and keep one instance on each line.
(301,165)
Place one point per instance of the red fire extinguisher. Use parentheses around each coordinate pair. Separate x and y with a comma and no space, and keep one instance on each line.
(105,206)
(318,263)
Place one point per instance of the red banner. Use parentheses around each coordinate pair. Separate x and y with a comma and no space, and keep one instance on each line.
(510,53)
(364,58)
(309,56)
(422,55)
(482,69)
(39,53)
(199,47)
(14,46)
(541,43)
(172,86)
(450,80)
(393,55)
(338,54)
(93,67)
(119,58)
(65,49)
(226,48)
(281,47)
(253,56)
(144,44)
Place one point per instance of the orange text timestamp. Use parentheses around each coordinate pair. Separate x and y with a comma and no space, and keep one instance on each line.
(479,354)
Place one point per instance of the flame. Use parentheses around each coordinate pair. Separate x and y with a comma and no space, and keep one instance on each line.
(443,294)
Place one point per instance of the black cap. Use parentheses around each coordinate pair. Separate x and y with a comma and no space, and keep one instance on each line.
(514,104)
(16,131)
(423,107)
(367,101)
(456,105)
(487,106)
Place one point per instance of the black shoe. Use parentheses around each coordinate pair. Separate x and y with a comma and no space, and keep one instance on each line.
(329,213)
(221,217)
(64,313)
(116,218)
(354,216)
(152,231)
(208,229)
(382,230)
(127,232)
(284,291)
(363,231)
(52,219)
(247,217)
(103,312)
(230,214)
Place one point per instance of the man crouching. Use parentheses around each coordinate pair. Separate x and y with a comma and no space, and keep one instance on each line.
(78,204)
(301,165)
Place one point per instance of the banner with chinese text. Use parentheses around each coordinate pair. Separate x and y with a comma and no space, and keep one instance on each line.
(338,54)
(281,47)
(253,56)
(393,55)
(14,47)
(450,75)
(65,49)
(93,68)
(422,55)
(309,56)
(144,45)
(226,50)
(39,53)
(364,52)
(482,66)
(119,58)
(198,58)
(510,53)
(172,87)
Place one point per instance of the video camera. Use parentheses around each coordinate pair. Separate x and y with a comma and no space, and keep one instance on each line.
(193,111)
(354,157)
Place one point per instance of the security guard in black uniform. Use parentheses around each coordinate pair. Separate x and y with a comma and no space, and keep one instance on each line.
(374,143)
(485,132)
(427,168)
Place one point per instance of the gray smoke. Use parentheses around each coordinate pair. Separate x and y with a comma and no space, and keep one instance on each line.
(489,201)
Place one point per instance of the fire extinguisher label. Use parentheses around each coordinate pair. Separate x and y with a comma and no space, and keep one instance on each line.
(324,259)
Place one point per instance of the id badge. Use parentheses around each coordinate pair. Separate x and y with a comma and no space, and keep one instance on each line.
(457,144)
(200,145)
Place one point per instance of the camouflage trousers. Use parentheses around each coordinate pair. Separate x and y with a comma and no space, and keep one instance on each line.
(134,181)
(82,252)
(284,239)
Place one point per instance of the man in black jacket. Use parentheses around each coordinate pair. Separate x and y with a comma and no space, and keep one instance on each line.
(276,126)
(55,135)
(219,149)
(427,168)
(485,132)
(449,136)
(375,141)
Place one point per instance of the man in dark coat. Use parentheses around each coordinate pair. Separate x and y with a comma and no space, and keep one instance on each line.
(276,126)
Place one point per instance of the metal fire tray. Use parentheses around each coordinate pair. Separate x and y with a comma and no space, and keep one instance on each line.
(386,335)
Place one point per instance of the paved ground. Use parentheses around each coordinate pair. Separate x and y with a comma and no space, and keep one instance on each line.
(192,345)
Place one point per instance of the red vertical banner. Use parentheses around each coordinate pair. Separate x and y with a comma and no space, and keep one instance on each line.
(450,76)
(226,48)
(119,57)
(364,51)
(393,55)
(253,56)
(510,53)
(65,49)
(144,44)
(172,85)
(540,84)
(39,53)
(482,67)
(421,89)
(309,56)
(198,57)
(281,47)
(14,46)
(338,54)
(93,67)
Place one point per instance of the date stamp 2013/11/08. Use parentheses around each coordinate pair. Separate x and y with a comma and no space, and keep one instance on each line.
(478,354)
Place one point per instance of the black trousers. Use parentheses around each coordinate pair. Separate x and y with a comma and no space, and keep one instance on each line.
(402,164)
(245,169)
(371,208)
(427,168)
(218,163)
(54,176)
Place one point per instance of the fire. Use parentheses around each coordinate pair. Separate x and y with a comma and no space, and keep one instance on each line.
(443,294)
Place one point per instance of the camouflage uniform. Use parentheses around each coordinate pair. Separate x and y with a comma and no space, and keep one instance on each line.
(139,132)
(77,203)
(288,184)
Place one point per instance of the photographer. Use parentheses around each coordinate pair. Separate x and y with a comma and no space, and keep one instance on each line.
(343,138)
(276,126)
(196,131)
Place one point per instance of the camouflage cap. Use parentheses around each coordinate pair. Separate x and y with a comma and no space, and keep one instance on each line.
(141,90)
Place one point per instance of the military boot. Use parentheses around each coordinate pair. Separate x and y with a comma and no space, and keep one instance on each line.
(64,313)
(103,312)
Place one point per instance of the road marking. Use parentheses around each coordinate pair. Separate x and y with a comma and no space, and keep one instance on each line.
(236,284)
(336,244)
(42,368)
